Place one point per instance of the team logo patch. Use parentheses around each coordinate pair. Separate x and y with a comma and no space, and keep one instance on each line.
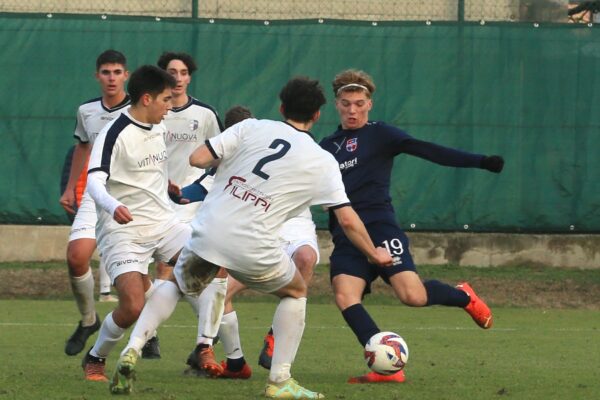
(194,124)
(352,144)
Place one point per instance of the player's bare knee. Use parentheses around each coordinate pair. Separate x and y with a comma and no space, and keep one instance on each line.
(305,260)
(413,299)
(344,300)
(306,266)
(77,261)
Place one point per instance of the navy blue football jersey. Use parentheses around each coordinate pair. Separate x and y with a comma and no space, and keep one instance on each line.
(366,157)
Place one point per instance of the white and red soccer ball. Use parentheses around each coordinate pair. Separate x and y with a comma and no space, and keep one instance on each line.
(386,353)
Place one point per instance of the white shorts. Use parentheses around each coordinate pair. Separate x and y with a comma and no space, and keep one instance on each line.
(124,256)
(193,273)
(298,232)
(84,225)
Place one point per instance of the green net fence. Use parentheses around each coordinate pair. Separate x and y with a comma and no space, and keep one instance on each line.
(525,91)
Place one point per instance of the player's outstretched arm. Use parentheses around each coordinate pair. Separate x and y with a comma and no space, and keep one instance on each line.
(357,233)
(451,157)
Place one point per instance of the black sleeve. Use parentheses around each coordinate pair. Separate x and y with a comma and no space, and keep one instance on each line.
(440,154)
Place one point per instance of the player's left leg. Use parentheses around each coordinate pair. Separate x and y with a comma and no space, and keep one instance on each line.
(305,253)
(411,291)
(288,327)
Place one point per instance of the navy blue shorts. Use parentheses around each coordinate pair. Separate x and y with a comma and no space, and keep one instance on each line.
(347,259)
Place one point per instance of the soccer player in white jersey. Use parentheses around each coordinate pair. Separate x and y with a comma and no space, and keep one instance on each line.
(269,171)
(189,123)
(299,240)
(92,116)
(128,180)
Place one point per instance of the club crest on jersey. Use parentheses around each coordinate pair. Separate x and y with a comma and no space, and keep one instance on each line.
(194,124)
(351,145)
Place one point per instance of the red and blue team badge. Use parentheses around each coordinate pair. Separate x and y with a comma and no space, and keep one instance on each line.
(351,145)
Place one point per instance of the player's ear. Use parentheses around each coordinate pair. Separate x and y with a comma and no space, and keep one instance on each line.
(146,99)
(316,116)
(126,73)
(281,109)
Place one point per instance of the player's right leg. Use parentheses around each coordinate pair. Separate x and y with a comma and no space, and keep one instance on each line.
(130,286)
(235,366)
(157,309)
(82,243)
(79,253)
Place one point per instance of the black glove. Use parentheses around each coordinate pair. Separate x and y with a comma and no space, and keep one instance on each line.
(493,163)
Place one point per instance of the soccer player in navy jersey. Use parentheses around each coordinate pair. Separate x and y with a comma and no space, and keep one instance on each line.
(365,151)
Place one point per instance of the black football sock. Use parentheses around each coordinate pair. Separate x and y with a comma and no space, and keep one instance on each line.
(361,323)
(235,364)
(444,294)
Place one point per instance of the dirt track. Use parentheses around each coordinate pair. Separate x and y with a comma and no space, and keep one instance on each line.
(53,283)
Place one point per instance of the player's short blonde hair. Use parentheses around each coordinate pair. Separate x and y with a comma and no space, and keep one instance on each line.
(353,80)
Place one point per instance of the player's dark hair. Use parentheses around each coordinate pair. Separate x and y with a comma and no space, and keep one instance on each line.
(301,98)
(111,57)
(185,58)
(148,79)
(236,114)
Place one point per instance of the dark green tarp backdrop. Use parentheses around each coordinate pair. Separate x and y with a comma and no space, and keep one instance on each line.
(528,93)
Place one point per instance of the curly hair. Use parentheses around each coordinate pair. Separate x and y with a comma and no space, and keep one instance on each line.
(301,98)
(185,58)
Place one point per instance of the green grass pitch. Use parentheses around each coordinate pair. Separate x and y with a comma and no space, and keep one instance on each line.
(529,354)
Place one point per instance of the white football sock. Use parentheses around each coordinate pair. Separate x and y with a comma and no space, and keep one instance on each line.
(230,336)
(109,335)
(194,302)
(288,326)
(105,283)
(158,308)
(83,291)
(158,282)
(149,291)
(211,305)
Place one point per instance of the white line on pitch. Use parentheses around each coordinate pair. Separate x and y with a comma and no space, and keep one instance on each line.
(308,326)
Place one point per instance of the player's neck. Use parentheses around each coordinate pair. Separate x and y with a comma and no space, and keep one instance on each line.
(301,126)
(139,114)
(112,101)
(180,101)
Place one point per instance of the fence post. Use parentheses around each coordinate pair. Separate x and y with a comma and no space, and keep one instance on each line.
(461,10)
(194,8)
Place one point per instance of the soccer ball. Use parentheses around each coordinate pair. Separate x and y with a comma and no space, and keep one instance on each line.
(386,353)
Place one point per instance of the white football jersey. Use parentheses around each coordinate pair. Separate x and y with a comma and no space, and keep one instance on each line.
(93,115)
(134,156)
(269,172)
(188,127)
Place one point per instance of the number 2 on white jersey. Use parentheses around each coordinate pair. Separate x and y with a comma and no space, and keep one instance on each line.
(285,147)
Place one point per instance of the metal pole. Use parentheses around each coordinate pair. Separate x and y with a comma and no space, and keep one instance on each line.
(461,10)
